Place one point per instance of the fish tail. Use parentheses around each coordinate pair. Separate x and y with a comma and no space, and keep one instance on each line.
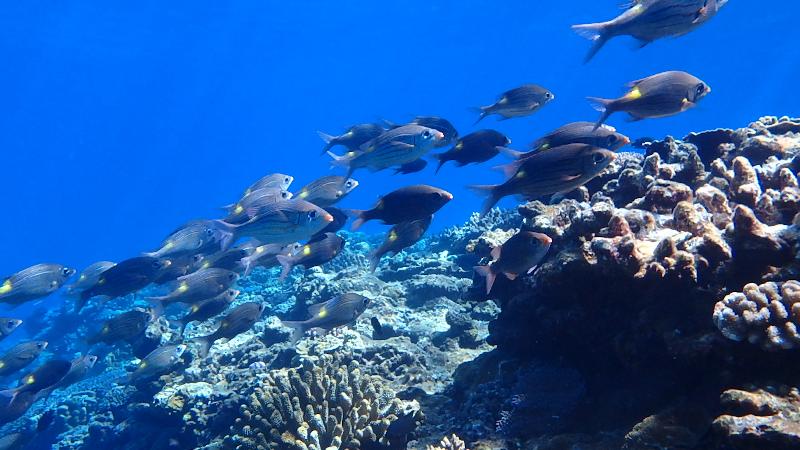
(203,344)
(286,264)
(486,272)
(8,396)
(80,302)
(180,324)
(510,152)
(374,260)
(439,157)
(482,111)
(508,169)
(359,215)
(328,141)
(602,105)
(338,161)
(595,32)
(248,266)
(229,231)
(298,330)
(491,200)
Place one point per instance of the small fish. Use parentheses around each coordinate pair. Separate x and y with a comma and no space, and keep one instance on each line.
(158,362)
(518,102)
(198,236)
(661,95)
(89,277)
(282,223)
(20,356)
(272,181)
(437,123)
(327,191)
(353,138)
(200,285)
(395,147)
(249,205)
(404,205)
(44,377)
(267,255)
(401,236)
(336,312)
(519,255)
(230,259)
(33,283)
(80,366)
(576,133)
(315,253)
(649,20)
(239,320)
(127,277)
(7,326)
(560,169)
(476,147)
(178,266)
(124,327)
(412,167)
(339,220)
(208,308)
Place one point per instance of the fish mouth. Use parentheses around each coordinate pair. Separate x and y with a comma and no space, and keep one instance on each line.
(447,195)
(625,141)
(439,135)
(327,218)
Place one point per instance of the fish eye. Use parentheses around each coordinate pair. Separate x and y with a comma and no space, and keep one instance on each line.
(10,324)
(312,215)
(365,301)
(548,95)
(209,231)
(348,184)
(611,140)
(597,158)
(287,180)
(701,88)
(65,270)
(157,264)
(426,134)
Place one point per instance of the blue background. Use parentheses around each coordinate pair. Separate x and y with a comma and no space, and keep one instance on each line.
(120,122)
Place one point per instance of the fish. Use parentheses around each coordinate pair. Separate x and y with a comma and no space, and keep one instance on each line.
(519,255)
(34,282)
(412,167)
(8,325)
(404,205)
(661,95)
(80,366)
(44,377)
(315,253)
(649,20)
(272,181)
(282,223)
(127,327)
(401,236)
(127,277)
(476,147)
(237,321)
(605,137)
(158,362)
(339,220)
(353,138)
(437,123)
(560,169)
(267,255)
(337,312)
(20,356)
(200,285)
(518,102)
(17,407)
(230,259)
(327,191)
(179,266)
(208,308)
(392,148)
(197,236)
(88,277)
(249,205)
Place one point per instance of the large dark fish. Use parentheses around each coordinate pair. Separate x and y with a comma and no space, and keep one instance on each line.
(437,123)
(206,309)
(560,169)
(518,102)
(404,205)
(249,205)
(45,376)
(519,255)
(158,362)
(401,236)
(8,325)
(200,285)
(661,95)
(127,277)
(20,356)
(336,312)
(648,20)
(282,223)
(271,181)
(89,277)
(412,167)
(353,138)
(267,255)
(239,320)
(198,236)
(315,253)
(34,282)
(327,191)
(476,147)
(127,326)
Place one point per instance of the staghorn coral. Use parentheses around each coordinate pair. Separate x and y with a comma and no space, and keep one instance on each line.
(327,405)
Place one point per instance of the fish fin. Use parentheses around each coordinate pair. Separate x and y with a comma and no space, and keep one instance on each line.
(486,272)
(374,260)
(439,157)
(178,323)
(156,305)
(496,252)
(328,141)
(532,269)
(298,330)
(595,32)
(492,197)
(632,118)
(229,231)
(248,267)
(603,105)
(357,214)
(338,161)
(511,276)
(482,111)
(315,309)
(286,264)
(8,396)
(388,124)
(203,344)
(507,169)
(510,152)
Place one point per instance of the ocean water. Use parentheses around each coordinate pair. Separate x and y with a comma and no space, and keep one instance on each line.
(122,121)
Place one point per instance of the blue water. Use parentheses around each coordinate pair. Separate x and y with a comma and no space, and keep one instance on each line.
(120,122)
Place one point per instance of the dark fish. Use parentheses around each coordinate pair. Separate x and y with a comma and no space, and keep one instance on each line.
(404,205)
(661,95)
(239,320)
(178,266)
(198,236)
(158,362)
(89,277)
(249,205)
(80,366)
(7,326)
(476,147)
(336,312)
(34,282)
(560,169)
(20,356)
(353,138)
(576,133)
(206,309)
(518,102)
(401,236)
(13,410)
(282,223)
(412,167)
(339,221)
(125,327)
(315,253)
(200,285)
(127,277)
(230,259)
(272,181)
(267,255)
(327,191)
(395,147)
(519,255)
(45,376)
(648,20)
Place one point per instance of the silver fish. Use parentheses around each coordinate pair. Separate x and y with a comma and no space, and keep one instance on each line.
(158,362)
(518,102)
(89,277)
(267,255)
(34,282)
(249,205)
(327,191)
(200,285)
(274,181)
(336,312)
(199,236)
(353,138)
(8,325)
(282,223)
